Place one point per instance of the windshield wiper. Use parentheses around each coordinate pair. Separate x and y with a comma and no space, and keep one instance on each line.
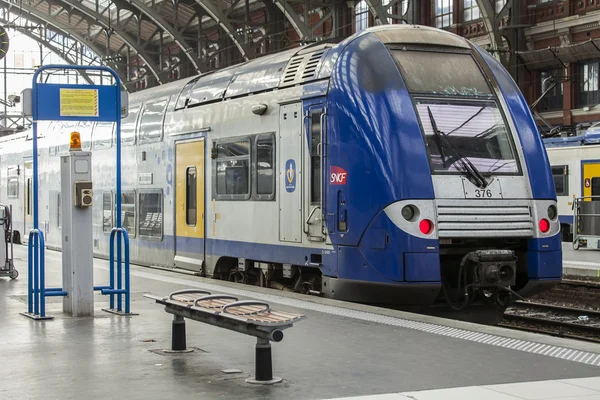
(469,168)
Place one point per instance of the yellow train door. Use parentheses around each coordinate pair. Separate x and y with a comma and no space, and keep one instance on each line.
(27,198)
(189,204)
(591,179)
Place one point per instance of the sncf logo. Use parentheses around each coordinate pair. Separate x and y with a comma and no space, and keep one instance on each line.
(337,176)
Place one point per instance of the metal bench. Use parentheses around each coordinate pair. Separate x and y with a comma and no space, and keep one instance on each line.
(250,317)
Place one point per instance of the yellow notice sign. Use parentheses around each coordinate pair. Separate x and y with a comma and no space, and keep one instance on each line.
(78,102)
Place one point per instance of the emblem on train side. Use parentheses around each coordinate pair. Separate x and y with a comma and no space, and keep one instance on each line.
(290,175)
(337,175)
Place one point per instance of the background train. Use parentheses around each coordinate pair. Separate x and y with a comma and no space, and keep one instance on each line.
(576,170)
(400,166)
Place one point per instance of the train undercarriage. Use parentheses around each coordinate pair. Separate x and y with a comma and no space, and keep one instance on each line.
(479,279)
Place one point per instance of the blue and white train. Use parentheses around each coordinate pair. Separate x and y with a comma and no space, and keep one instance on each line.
(400,166)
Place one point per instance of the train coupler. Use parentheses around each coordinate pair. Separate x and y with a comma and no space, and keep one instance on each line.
(493,268)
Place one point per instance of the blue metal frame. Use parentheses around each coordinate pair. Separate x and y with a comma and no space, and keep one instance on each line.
(36,289)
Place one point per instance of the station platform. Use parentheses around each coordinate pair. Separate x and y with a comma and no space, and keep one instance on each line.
(342,350)
(583,263)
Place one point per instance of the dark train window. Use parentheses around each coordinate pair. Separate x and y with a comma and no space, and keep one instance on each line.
(265,167)
(561,179)
(232,169)
(58,211)
(595,187)
(29,196)
(443,73)
(151,122)
(151,215)
(102,138)
(128,126)
(315,156)
(190,196)
(128,212)
(107,212)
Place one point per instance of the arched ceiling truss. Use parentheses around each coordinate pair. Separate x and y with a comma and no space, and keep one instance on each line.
(70,53)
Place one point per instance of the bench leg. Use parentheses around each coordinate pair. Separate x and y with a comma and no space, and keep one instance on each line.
(178,340)
(263,364)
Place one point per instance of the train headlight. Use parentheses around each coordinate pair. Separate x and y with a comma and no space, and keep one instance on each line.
(552,212)
(408,212)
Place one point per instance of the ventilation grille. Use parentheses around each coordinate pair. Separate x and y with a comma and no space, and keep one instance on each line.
(484,221)
(302,68)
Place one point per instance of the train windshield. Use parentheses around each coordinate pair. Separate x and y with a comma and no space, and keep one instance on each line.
(462,124)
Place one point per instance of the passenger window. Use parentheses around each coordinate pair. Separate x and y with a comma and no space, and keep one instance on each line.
(85,131)
(151,215)
(190,196)
(58,211)
(185,94)
(595,187)
(107,212)
(29,195)
(233,170)
(315,157)
(12,186)
(128,126)
(128,212)
(561,179)
(103,135)
(265,162)
(151,123)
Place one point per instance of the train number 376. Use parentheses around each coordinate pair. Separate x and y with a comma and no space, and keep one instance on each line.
(483,193)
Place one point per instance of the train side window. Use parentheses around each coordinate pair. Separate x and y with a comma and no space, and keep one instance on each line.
(102,137)
(560,173)
(184,96)
(265,167)
(107,212)
(128,212)
(151,215)
(315,156)
(190,196)
(29,200)
(58,210)
(85,130)
(151,121)
(595,187)
(232,169)
(128,126)
(12,185)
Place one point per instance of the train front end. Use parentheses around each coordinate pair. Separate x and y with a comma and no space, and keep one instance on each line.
(448,198)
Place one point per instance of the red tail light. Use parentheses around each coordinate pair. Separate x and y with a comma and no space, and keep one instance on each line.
(426,226)
(544,225)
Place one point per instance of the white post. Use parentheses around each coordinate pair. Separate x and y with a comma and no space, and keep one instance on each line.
(77,238)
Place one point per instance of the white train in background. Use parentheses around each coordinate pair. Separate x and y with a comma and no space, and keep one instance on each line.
(575,163)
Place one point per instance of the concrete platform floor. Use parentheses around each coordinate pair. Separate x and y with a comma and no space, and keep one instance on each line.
(582,262)
(341,350)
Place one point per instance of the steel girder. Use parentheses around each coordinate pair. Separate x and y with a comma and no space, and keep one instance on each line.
(171,30)
(490,20)
(221,19)
(35,16)
(95,18)
(65,55)
(301,22)
(381,13)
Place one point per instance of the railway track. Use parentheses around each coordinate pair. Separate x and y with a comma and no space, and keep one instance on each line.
(567,322)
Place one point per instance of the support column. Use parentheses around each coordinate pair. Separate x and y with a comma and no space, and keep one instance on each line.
(77,238)
(263,364)
(178,338)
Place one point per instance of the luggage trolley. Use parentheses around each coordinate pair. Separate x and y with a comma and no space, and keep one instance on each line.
(586,222)
(6,237)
